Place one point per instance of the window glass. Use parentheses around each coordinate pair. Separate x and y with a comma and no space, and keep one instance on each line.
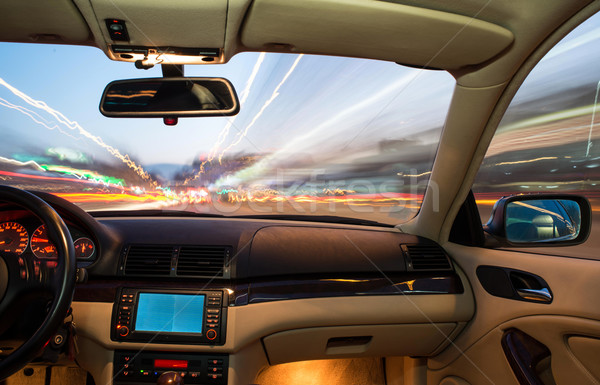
(548,140)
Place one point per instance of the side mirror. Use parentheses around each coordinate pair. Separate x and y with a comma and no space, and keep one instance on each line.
(169,97)
(540,220)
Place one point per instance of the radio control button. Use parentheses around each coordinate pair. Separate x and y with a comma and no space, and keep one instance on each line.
(211,334)
(213,311)
(122,330)
(214,376)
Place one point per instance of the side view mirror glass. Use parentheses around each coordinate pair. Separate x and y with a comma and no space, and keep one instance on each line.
(540,220)
(166,97)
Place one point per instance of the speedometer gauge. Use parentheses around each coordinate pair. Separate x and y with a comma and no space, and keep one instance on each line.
(84,248)
(13,238)
(41,245)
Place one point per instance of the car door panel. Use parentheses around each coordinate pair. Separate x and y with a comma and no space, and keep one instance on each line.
(573,315)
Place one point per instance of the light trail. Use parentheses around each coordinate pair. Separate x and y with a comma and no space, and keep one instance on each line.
(225,131)
(243,97)
(415,175)
(274,96)
(102,198)
(148,93)
(315,134)
(19,163)
(47,178)
(34,116)
(526,161)
(75,126)
(85,174)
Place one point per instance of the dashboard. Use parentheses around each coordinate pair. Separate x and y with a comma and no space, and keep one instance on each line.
(218,299)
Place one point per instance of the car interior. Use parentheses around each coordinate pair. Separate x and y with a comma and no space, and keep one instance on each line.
(437,296)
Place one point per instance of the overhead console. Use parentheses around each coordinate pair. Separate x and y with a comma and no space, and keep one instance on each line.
(132,33)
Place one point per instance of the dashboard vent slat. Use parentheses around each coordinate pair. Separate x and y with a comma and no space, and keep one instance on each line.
(202,261)
(148,260)
(176,261)
(426,257)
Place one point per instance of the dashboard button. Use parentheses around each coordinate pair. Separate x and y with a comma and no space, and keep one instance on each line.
(123,330)
(211,334)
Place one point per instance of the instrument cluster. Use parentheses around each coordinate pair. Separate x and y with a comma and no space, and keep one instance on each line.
(20,236)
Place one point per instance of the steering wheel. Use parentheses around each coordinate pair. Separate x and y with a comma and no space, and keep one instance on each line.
(23,281)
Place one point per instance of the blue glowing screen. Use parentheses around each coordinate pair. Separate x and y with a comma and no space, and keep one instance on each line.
(169,313)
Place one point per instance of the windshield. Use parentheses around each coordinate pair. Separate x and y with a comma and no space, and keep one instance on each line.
(316,135)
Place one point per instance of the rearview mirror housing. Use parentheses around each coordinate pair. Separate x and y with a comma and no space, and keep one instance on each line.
(169,97)
(540,220)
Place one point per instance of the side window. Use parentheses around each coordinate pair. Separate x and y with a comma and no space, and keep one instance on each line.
(548,140)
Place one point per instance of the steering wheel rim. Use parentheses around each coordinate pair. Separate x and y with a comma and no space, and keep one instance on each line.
(64,278)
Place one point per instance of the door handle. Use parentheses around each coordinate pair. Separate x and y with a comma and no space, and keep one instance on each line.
(540,295)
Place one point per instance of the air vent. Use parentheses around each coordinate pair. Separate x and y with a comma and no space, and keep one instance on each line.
(202,261)
(149,260)
(426,257)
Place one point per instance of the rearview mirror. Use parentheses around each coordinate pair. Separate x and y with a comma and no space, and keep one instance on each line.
(166,97)
(540,220)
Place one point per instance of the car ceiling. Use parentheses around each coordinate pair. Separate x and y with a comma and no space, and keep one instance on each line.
(464,37)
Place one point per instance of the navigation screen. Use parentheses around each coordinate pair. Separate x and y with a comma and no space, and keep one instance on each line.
(169,313)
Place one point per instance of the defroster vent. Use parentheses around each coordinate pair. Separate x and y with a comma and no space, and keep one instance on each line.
(426,257)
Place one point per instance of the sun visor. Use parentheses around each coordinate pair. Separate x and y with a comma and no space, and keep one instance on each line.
(373,29)
(42,21)
(174,31)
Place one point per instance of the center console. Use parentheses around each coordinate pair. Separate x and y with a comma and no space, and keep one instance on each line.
(142,367)
(191,317)
(170,316)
